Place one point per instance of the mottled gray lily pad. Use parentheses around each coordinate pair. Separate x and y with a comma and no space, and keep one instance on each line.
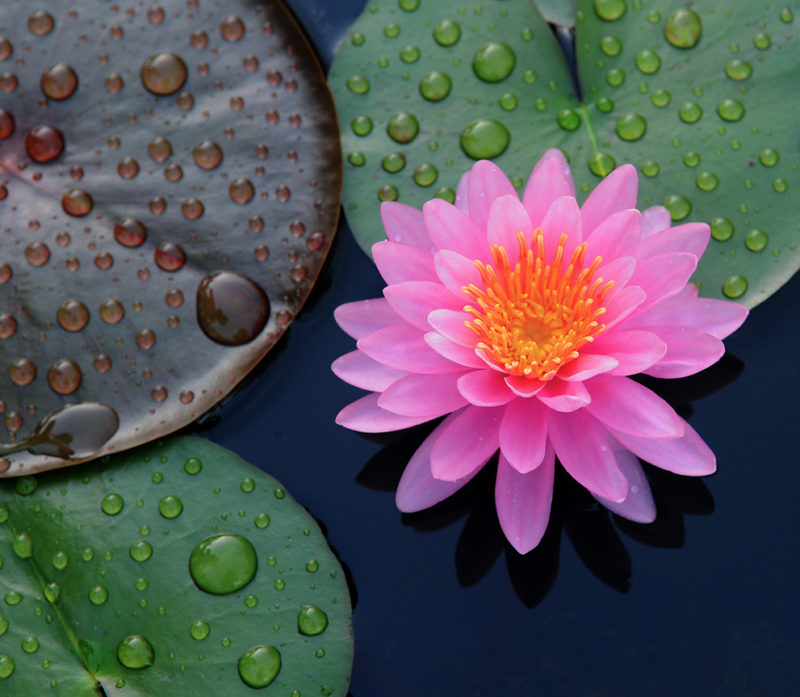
(702,101)
(175,569)
(169,187)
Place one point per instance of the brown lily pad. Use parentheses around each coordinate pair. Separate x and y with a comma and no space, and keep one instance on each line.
(170,180)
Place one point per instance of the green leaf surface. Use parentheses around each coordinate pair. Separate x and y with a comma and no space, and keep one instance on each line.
(185,208)
(560,12)
(92,557)
(711,126)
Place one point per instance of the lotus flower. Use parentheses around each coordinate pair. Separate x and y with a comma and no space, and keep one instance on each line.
(522,321)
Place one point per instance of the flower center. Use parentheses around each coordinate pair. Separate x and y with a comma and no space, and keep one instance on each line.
(534,317)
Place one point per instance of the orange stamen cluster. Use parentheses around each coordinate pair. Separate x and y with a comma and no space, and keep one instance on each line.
(534,318)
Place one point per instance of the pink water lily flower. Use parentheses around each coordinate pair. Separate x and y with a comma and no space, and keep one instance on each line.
(522,322)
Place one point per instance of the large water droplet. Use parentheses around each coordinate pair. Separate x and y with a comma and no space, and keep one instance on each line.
(735,287)
(7,124)
(170,506)
(259,666)
(434,87)
(207,154)
(707,181)
(64,377)
(610,10)
(648,62)
(199,630)
(231,309)
(568,119)
(98,595)
(135,652)
(402,127)
(22,371)
(691,112)
(631,127)
(311,621)
(361,125)
(493,62)
(683,28)
(223,563)
(40,23)
(44,143)
(59,81)
(6,667)
(393,162)
(721,229)
(73,315)
(447,32)
(112,504)
(77,202)
(141,550)
(22,545)
(610,45)
(163,73)
(425,175)
(678,206)
(485,139)
(730,109)
(601,164)
(756,240)
(358,84)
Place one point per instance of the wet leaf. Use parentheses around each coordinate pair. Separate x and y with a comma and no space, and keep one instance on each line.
(169,189)
(165,566)
(708,122)
(561,12)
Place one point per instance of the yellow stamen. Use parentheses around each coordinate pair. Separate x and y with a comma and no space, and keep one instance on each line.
(534,318)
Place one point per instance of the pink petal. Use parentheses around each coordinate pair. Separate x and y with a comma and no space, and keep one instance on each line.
(563,216)
(687,455)
(523,502)
(459,355)
(617,236)
(627,406)
(507,217)
(484,388)
(655,219)
(663,276)
(716,317)
(467,443)
(415,300)
(486,183)
(362,371)
(363,317)
(549,180)
(587,365)
(404,224)
(688,352)
(423,395)
(621,304)
(450,229)
(564,396)
(418,489)
(399,262)
(619,270)
(638,506)
(403,347)
(462,202)
(635,349)
(617,192)
(522,386)
(690,237)
(365,415)
(455,271)
(523,434)
(452,325)
(583,447)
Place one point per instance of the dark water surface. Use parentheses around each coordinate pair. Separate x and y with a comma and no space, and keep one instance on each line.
(702,602)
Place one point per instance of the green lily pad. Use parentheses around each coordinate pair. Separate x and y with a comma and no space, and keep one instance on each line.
(169,186)
(561,12)
(705,111)
(174,567)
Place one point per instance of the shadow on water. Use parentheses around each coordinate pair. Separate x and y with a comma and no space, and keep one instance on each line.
(593,531)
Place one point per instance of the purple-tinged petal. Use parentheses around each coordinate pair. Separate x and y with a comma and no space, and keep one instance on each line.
(487,182)
(564,396)
(635,350)
(687,455)
(462,199)
(507,217)
(450,229)
(452,325)
(418,489)
(523,434)
(638,506)
(461,356)
(716,317)
(625,405)
(688,352)
(655,219)
(563,216)
(403,347)
(404,224)
(423,395)
(415,300)
(584,448)
(549,180)
(485,388)
(617,236)
(360,370)
(617,192)
(524,387)
(467,443)
(398,263)
(663,276)
(690,237)
(364,317)
(366,416)
(586,366)
(455,271)
(620,305)
(523,502)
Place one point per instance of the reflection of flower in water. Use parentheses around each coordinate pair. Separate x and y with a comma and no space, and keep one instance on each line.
(523,321)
